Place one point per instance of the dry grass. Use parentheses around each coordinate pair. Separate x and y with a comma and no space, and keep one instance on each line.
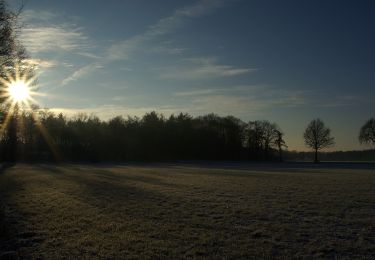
(82,211)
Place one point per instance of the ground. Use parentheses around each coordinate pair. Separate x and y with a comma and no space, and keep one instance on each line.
(188,211)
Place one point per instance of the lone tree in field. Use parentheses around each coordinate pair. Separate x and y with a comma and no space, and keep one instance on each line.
(317,136)
(367,133)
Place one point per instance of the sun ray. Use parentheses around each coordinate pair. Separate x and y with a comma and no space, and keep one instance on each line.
(46,136)
(18,85)
(17,89)
(7,118)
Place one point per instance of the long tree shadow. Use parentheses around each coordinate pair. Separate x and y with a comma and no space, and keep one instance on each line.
(99,189)
(6,165)
(9,230)
(137,208)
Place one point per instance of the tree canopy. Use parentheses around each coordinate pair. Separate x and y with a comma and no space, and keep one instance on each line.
(317,136)
(150,137)
(367,132)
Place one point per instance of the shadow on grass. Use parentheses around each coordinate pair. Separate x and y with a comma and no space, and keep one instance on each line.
(84,211)
(132,202)
(6,241)
(100,189)
(14,234)
(49,167)
(5,166)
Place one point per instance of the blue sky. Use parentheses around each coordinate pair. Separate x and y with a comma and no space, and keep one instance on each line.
(284,61)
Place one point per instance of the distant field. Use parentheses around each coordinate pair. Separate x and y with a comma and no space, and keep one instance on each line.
(189,211)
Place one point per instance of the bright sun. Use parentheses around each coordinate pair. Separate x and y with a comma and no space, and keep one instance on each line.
(19,91)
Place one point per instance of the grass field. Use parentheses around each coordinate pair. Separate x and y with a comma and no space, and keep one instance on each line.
(188,211)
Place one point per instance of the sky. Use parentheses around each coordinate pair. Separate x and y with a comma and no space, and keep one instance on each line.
(283,61)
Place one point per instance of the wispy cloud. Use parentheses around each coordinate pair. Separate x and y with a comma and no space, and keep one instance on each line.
(48,38)
(194,92)
(89,55)
(164,26)
(83,71)
(197,68)
(222,105)
(241,106)
(37,17)
(42,63)
(239,89)
(41,33)
(168,24)
(167,50)
(262,96)
(242,99)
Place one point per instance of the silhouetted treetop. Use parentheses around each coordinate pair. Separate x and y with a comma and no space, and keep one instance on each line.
(151,137)
(367,132)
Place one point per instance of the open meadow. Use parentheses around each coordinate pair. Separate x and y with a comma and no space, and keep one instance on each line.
(188,210)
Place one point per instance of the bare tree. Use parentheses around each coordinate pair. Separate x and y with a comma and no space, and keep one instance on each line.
(280,143)
(254,137)
(269,136)
(317,136)
(367,132)
(262,137)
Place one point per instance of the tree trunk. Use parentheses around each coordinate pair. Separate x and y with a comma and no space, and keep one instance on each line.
(12,135)
(316,156)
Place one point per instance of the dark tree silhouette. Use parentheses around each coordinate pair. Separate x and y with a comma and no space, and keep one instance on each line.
(261,137)
(367,132)
(12,53)
(269,136)
(13,61)
(152,137)
(254,139)
(280,143)
(317,136)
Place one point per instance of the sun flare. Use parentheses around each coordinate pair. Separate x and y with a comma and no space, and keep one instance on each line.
(17,87)
(19,91)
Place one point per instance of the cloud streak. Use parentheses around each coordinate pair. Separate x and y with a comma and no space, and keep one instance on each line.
(198,68)
(194,92)
(241,101)
(83,71)
(42,63)
(50,39)
(124,49)
(41,34)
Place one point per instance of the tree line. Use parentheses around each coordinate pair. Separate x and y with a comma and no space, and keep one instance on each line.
(43,135)
(333,156)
